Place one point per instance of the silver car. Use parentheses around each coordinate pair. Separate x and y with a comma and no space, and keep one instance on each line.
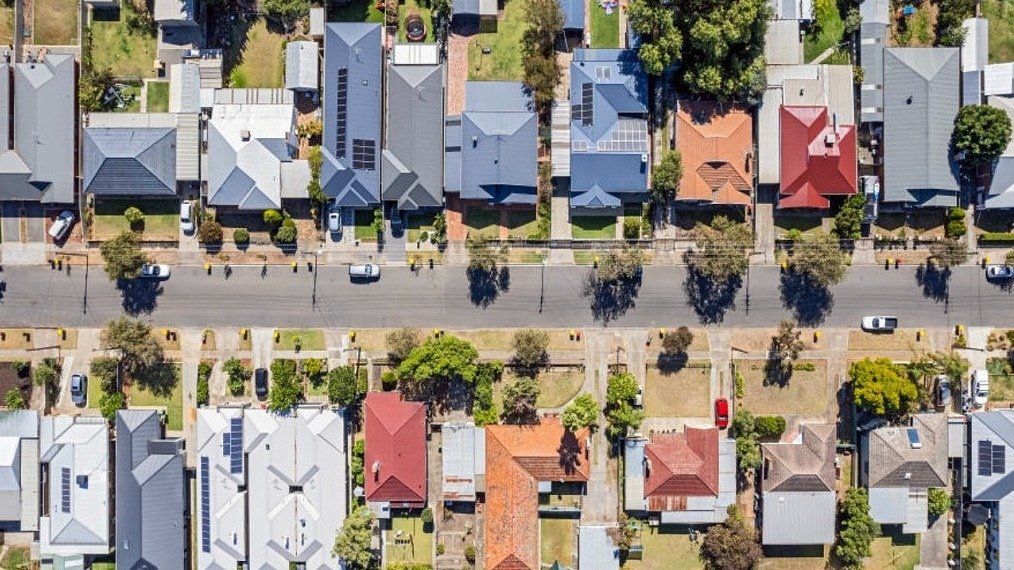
(334,222)
(61,224)
(999,272)
(364,271)
(79,389)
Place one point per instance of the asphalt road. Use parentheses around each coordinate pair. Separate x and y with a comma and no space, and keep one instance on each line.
(40,296)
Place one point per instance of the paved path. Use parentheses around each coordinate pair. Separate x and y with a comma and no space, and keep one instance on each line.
(600,503)
(190,345)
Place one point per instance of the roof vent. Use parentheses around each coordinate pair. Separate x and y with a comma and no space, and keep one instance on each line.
(644,158)
(244,134)
(475,142)
(908,101)
(908,476)
(830,139)
(376,467)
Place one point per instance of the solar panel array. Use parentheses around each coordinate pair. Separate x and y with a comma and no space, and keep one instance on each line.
(341,112)
(65,489)
(999,459)
(992,458)
(629,136)
(205,507)
(587,103)
(364,154)
(236,450)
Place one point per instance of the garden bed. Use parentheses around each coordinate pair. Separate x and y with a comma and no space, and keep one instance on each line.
(11,379)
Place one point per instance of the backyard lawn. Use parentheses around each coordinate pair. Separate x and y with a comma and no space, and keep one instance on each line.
(127,53)
(1001,29)
(830,26)
(894,552)
(6,25)
(484,221)
(605,28)
(261,64)
(356,11)
(413,6)
(158,96)
(665,547)
(593,227)
(557,541)
(804,394)
(407,542)
(161,219)
(311,339)
(56,23)
(16,558)
(692,383)
(503,62)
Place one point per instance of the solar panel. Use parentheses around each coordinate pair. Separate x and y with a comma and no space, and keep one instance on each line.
(205,507)
(225,443)
(985,458)
(999,459)
(575,112)
(364,154)
(587,103)
(913,438)
(65,490)
(341,112)
(236,453)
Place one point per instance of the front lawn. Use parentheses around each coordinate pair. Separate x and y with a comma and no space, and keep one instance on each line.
(364,225)
(407,542)
(504,61)
(556,387)
(805,393)
(161,219)
(165,396)
(261,64)
(1001,29)
(127,52)
(416,224)
(895,551)
(310,339)
(605,28)
(830,28)
(692,383)
(593,227)
(482,221)
(158,96)
(522,223)
(557,541)
(56,23)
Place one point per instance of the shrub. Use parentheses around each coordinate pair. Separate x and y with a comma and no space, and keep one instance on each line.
(47,373)
(356,463)
(342,387)
(285,234)
(939,502)
(740,384)
(238,376)
(631,228)
(241,236)
(440,549)
(210,232)
(769,426)
(427,516)
(792,235)
(470,554)
(956,214)
(955,228)
(22,367)
(13,399)
(424,237)
(389,380)
(202,392)
(134,215)
(996,237)
(110,403)
(273,218)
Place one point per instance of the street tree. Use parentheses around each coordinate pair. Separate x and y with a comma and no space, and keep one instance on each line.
(530,348)
(661,42)
(352,544)
(787,344)
(722,249)
(483,256)
(723,47)
(731,545)
(882,387)
(442,359)
(581,413)
(981,132)
(820,258)
(519,402)
(666,175)
(948,252)
(401,342)
(122,256)
(857,530)
(138,347)
(677,341)
(849,220)
(343,387)
(622,417)
(620,265)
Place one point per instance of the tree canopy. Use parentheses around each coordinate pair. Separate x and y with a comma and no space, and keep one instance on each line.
(620,265)
(139,349)
(722,249)
(352,544)
(343,386)
(666,175)
(848,221)
(621,388)
(677,341)
(787,344)
(731,545)
(401,342)
(519,402)
(581,413)
(483,257)
(820,257)
(286,387)
(122,256)
(857,531)
(445,359)
(981,132)
(544,19)
(948,252)
(286,11)
(723,46)
(655,24)
(882,387)
(530,348)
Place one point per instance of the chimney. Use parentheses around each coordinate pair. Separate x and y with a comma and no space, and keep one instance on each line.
(244,134)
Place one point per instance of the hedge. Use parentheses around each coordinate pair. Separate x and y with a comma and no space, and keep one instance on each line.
(769,426)
(996,237)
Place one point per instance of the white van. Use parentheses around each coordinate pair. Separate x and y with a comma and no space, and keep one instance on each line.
(980,387)
(187,216)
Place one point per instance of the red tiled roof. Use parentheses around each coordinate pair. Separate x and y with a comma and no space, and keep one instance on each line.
(715,141)
(517,458)
(681,465)
(395,461)
(817,159)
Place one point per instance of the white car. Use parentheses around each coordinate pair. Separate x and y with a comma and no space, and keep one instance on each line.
(999,272)
(879,323)
(980,387)
(364,271)
(334,222)
(155,271)
(187,216)
(61,224)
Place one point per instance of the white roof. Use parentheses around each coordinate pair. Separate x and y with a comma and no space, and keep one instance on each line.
(415,54)
(999,79)
(889,505)
(782,45)
(301,65)
(975,50)
(77,453)
(800,517)
(19,467)
(226,504)
(317,21)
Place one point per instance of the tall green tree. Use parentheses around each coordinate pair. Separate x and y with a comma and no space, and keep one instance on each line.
(139,349)
(848,222)
(519,402)
(820,257)
(288,12)
(401,342)
(677,341)
(122,256)
(544,20)
(352,544)
(948,252)
(286,387)
(981,132)
(731,545)
(787,344)
(483,256)
(621,387)
(530,348)
(722,250)
(443,359)
(581,413)
(666,175)
(620,265)
(882,387)
(661,42)
(343,386)
(857,530)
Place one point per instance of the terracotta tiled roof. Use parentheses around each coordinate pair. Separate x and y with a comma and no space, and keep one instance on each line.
(715,141)
(395,461)
(804,466)
(681,465)
(517,458)
(817,159)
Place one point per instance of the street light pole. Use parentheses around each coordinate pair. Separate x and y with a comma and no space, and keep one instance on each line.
(84,300)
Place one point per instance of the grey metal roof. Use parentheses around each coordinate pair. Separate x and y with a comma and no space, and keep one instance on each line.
(185,88)
(573,14)
(920,103)
(996,488)
(975,48)
(19,467)
(301,65)
(871,55)
(174,11)
(464,460)
(481,8)
(798,482)
(999,79)
(792,9)
(874,11)
(971,88)
(130,161)
(798,517)
(782,45)
(452,153)
(356,48)
(150,494)
(412,170)
(596,550)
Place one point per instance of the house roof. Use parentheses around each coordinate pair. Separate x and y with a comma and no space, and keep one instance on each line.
(412,167)
(19,468)
(895,462)
(395,461)
(134,161)
(76,450)
(792,9)
(681,465)
(873,36)
(352,86)
(799,485)
(920,103)
(992,474)
(184,88)
(463,453)
(975,48)
(596,549)
(716,141)
(301,65)
(998,79)
(608,126)
(573,14)
(174,11)
(517,459)
(1001,188)
(782,44)
(818,157)
(875,11)
(481,8)
(246,146)
(150,495)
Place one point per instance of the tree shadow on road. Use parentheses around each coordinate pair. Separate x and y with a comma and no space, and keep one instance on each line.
(611,300)
(711,299)
(139,295)
(484,287)
(935,281)
(809,302)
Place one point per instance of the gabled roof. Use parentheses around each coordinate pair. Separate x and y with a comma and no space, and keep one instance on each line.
(895,462)
(517,458)
(798,483)
(150,496)
(1001,188)
(608,127)
(463,454)
(19,469)
(352,95)
(681,465)
(818,157)
(992,475)
(412,171)
(480,8)
(921,99)
(395,461)
(184,88)
(716,142)
(130,161)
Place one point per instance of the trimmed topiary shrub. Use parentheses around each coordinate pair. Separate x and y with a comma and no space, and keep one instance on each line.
(769,426)
(241,236)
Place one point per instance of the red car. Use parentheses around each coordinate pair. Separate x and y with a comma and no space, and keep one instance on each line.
(722,413)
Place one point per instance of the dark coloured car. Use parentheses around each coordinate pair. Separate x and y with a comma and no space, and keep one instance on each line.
(261,383)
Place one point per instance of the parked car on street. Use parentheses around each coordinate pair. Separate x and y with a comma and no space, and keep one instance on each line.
(943,391)
(980,387)
(187,217)
(155,271)
(722,413)
(366,271)
(261,383)
(61,225)
(879,324)
(79,389)
(999,272)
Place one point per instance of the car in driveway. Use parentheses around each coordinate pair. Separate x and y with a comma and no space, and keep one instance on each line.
(334,222)
(943,391)
(187,217)
(155,271)
(79,389)
(261,383)
(364,271)
(722,413)
(61,225)
(980,388)
(999,272)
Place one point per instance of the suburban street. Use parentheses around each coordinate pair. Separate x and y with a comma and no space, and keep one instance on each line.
(40,296)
